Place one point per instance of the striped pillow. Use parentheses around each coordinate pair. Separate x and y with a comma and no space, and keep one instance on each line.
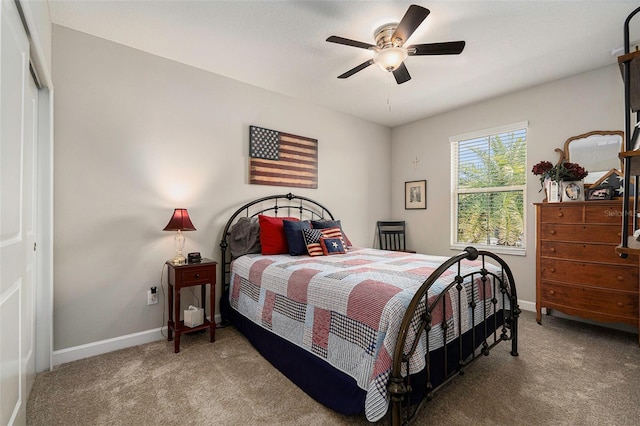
(312,239)
(322,224)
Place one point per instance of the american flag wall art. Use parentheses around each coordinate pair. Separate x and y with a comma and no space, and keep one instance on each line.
(282,159)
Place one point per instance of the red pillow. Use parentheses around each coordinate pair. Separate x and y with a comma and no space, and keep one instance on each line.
(272,237)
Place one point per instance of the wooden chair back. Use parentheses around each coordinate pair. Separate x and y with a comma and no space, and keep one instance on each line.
(391,235)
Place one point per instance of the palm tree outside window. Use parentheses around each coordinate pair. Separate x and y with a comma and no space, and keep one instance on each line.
(488,188)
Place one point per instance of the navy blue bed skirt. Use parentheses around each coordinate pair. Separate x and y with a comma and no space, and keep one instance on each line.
(338,391)
(314,376)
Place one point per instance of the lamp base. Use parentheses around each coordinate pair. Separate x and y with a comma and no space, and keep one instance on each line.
(179,258)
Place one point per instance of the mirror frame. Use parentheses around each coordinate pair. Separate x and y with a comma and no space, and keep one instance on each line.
(596,132)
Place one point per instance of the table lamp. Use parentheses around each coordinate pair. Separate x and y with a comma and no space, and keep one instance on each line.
(179,222)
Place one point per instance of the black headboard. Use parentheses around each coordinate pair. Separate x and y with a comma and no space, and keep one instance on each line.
(288,205)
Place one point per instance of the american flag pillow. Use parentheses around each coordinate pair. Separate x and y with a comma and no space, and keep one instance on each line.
(312,239)
(332,246)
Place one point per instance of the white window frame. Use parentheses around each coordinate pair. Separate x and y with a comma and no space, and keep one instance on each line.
(521,251)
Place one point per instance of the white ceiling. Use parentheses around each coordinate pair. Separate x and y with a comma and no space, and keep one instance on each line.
(280,46)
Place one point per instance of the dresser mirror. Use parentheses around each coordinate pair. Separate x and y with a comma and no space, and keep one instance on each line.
(596,151)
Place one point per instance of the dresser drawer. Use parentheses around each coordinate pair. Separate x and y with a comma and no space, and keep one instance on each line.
(580,233)
(196,275)
(610,214)
(562,214)
(619,277)
(619,304)
(605,253)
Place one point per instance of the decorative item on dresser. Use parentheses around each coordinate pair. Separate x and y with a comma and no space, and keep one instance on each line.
(586,160)
(578,271)
(562,182)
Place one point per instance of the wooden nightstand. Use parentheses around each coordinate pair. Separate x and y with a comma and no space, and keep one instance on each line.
(181,276)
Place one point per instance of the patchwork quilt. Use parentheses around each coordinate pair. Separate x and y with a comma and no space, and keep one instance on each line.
(347,308)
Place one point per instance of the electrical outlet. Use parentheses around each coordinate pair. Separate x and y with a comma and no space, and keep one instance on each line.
(152,298)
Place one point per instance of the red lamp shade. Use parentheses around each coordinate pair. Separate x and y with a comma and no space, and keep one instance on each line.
(180,221)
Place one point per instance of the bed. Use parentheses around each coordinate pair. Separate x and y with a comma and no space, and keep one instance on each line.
(358,329)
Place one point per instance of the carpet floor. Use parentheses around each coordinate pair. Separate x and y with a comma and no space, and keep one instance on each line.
(568,373)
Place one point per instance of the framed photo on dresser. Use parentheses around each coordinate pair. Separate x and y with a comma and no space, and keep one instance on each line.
(572,191)
(601,193)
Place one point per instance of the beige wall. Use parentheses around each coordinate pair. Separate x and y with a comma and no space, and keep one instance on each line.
(555,111)
(137,136)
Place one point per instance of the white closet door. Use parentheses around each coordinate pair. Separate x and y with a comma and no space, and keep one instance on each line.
(17,220)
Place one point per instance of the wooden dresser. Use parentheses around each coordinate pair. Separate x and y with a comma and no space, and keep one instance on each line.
(578,271)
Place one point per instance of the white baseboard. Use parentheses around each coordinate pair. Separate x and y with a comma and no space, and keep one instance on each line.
(103,346)
(527,306)
(109,345)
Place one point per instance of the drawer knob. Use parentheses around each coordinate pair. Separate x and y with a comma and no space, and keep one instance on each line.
(553,269)
(620,278)
(552,292)
(197,275)
(560,214)
(552,249)
(619,234)
(620,304)
(553,232)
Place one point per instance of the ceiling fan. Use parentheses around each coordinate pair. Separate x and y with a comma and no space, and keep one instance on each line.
(389,49)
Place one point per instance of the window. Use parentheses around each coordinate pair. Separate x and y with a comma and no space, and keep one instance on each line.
(488,188)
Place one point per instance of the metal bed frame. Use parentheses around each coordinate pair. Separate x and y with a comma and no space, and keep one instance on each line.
(482,335)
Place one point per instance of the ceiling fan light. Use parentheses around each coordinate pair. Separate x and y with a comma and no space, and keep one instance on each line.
(390,58)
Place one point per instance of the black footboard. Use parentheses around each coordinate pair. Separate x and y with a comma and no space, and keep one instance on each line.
(499,322)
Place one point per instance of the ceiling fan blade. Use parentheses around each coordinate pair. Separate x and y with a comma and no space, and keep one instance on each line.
(446,48)
(410,21)
(360,67)
(401,74)
(349,42)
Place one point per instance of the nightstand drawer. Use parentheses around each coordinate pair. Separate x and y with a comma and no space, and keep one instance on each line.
(617,277)
(196,275)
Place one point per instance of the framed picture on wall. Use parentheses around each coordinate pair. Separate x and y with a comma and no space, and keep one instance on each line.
(415,195)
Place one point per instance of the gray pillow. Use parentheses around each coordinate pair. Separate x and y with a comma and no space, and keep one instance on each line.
(244,237)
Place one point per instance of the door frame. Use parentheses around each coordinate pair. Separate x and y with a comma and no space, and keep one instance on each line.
(44,185)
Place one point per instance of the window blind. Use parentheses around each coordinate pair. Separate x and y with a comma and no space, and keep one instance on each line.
(488,186)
